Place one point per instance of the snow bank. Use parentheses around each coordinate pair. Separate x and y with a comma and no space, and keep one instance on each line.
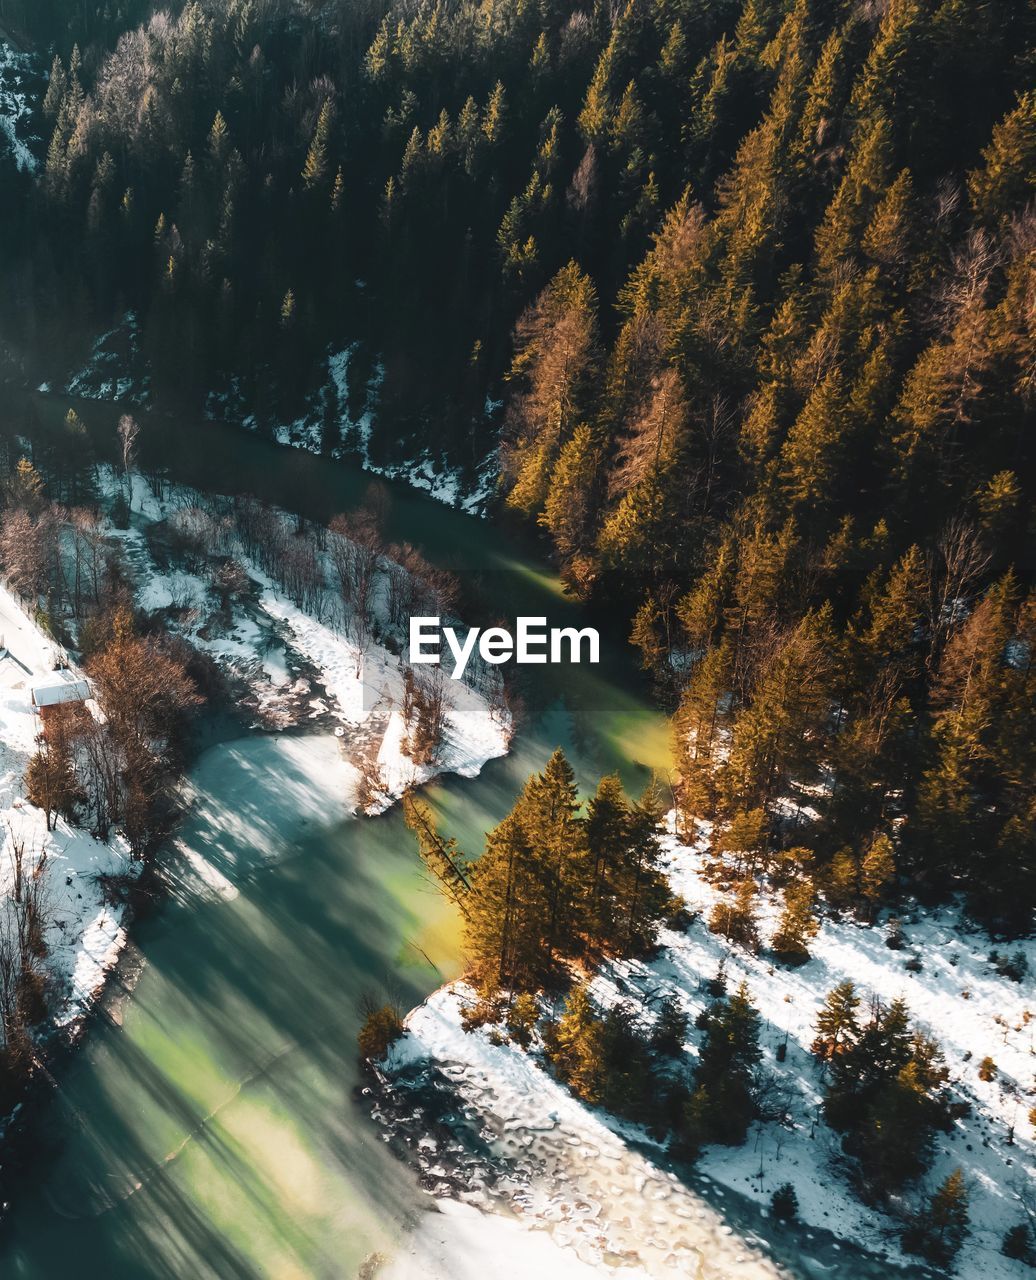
(275,640)
(569,1170)
(428,471)
(954,994)
(84,935)
(115,369)
(456,1242)
(17,70)
(575,1156)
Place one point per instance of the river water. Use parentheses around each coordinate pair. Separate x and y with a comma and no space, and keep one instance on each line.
(208,1127)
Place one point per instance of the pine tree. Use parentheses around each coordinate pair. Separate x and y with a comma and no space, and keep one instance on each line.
(778,735)
(507,917)
(57,87)
(877,870)
(890,236)
(698,724)
(735,918)
(1008,176)
(548,809)
(746,838)
(570,506)
(556,344)
(857,197)
(315,168)
(813,451)
(522,1017)
(495,116)
(842,879)
(442,856)
(670,1030)
(897,614)
(837,1028)
(644,893)
(219,139)
(724,1103)
(798,924)
(578,1047)
(607,833)
(942,1226)
(595,116)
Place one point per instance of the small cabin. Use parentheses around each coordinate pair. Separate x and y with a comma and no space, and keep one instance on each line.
(58,690)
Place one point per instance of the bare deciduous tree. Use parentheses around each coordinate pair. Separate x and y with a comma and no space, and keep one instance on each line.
(129,434)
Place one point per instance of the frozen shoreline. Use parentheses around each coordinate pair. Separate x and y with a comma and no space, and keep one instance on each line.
(116,371)
(275,638)
(85,932)
(507,1091)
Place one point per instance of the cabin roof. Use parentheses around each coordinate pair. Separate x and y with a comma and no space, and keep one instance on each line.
(60,687)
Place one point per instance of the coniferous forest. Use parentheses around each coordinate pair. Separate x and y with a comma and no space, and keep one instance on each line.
(753,280)
(735,300)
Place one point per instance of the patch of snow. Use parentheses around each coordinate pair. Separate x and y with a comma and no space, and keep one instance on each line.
(16,106)
(455,1241)
(115,369)
(84,934)
(569,1171)
(956,996)
(272,639)
(429,471)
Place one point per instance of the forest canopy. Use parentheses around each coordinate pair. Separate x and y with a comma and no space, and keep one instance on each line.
(754,280)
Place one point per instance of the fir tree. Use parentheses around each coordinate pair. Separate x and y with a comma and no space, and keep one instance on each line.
(315,168)
(735,918)
(837,1026)
(724,1102)
(797,924)
(941,1227)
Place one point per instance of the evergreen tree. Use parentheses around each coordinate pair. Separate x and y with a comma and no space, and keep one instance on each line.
(837,1027)
(315,169)
(442,856)
(1007,177)
(735,918)
(797,924)
(507,918)
(877,869)
(724,1103)
(941,1227)
(548,809)
(556,344)
(578,1047)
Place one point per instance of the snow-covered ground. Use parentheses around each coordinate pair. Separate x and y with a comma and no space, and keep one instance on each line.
(17,73)
(568,1171)
(456,1242)
(583,1180)
(115,370)
(273,642)
(279,644)
(84,934)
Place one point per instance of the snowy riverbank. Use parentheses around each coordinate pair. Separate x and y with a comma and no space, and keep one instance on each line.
(286,665)
(571,1169)
(304,664)
(117,370)
(84,931)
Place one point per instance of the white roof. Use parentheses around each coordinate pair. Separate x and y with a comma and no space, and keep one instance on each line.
(60,687)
